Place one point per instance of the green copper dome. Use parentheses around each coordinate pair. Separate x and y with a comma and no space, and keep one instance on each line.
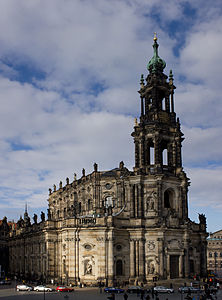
(156,63)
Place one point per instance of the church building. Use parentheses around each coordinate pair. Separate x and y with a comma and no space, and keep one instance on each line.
(121,225)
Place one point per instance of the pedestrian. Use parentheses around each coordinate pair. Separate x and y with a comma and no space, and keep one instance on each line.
(125,296)
(112,296)
(142,294)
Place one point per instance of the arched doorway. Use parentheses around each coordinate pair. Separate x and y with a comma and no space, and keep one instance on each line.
(119,267)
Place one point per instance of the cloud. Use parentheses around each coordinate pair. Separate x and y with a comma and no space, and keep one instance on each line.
(70,72)
(205,188)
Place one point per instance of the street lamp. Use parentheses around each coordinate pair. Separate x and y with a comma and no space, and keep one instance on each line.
(215,263)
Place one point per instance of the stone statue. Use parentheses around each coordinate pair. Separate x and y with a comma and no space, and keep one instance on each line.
(151,269)
(150,204)
(54,188)
(67,180)
(42,216)
(95,167)
(50,191)
(121,165)
(150,201)
(20,222)
(202,219)
(83,172)
(35,217)
(88,268)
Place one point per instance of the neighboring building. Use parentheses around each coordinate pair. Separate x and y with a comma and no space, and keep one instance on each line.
(4,254)
(121,225)
(214,253)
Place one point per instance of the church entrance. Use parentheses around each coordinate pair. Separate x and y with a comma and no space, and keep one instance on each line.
(174,266)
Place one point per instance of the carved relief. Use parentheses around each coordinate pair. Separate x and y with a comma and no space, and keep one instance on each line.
(175,244)
(151,245)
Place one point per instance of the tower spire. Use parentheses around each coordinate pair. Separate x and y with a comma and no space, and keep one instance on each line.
(156,64)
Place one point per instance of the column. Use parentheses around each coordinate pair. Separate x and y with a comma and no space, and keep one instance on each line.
(142,106)
(136,199)
(156,151)
(77,255)
(186,256)
(137,156)
(161,255)
(137,258)
(181,266)
(75,275)
(132,259)
(139,201)
(110,259)
(131,197)
(141,259)
(168,266)
(147,153)
(172,101)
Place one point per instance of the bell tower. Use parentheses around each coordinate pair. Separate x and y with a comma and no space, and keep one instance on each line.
(157,136)
(158,141)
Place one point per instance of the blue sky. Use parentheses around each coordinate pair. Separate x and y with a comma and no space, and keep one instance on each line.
(69,76)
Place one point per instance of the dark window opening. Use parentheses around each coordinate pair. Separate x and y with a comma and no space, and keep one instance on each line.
(119,267)
(166,200)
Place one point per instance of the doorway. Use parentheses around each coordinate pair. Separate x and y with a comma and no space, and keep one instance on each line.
(174,266)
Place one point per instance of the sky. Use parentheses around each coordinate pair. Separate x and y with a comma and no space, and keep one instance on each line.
(69,76)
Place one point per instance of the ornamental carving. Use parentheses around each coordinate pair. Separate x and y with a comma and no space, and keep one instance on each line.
(151,245)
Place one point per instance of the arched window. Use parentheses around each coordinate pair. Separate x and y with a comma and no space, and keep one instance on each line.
(119,267)
(210,254)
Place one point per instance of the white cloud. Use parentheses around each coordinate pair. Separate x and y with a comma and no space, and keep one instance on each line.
(205,188)
(60,123)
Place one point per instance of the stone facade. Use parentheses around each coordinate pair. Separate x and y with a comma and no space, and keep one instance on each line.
(121,225)
(214,253)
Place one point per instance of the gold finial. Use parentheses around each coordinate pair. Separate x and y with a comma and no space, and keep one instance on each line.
(135,122)
(155,37)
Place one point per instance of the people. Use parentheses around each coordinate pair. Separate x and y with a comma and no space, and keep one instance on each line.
(125,296)
(112,297)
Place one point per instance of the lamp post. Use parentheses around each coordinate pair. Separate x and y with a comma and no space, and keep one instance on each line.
(215,263)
